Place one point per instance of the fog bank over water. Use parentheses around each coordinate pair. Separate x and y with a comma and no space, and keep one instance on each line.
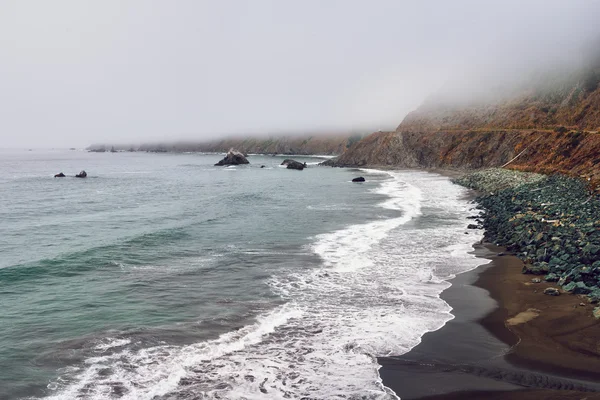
(74,73)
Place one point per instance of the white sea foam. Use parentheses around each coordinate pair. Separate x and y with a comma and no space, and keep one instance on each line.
(109,343)
(376,294)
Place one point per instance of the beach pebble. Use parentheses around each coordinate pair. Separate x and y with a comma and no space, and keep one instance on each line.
(552,291)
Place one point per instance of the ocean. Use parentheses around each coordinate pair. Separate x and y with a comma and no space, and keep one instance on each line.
(161,276)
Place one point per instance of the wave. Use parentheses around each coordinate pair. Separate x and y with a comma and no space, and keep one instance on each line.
(79,262)
(375,294)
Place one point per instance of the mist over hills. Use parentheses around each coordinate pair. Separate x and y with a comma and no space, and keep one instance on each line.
(547,124)
(324,144)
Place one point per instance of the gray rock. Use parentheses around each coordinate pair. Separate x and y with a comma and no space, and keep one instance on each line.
(233,157)
(552,291)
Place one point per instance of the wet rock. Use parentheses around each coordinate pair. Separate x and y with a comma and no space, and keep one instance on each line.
(359,179)
(233,157)
(59,175)
(473,226)
(293,164)
(82,174)
(552,291)
(262,166)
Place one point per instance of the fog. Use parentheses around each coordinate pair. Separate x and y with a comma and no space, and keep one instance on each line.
(77,72)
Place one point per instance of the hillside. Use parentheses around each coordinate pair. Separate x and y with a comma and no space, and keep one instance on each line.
(548,128)
(317,144)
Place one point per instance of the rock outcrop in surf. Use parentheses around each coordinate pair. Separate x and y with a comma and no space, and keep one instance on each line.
(293,164)
(233,157)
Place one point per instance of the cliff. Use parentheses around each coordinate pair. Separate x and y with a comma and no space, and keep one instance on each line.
(548,128)
(316,144)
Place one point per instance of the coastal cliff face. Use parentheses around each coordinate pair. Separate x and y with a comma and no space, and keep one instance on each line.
(547,130)
(308,145)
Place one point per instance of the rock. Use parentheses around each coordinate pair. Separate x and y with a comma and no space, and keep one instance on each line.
(501,254)
(233,157)
(293,164)
(552,291)
(262,166)
(61,175)
(534,269)
(82,174)
(551,277)
(473,226)
(328,163)
(581,304)
(359,179)
(597,312)
(536,280)
(577,288)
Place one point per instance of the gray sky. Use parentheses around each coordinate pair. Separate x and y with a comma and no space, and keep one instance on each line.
(77,72)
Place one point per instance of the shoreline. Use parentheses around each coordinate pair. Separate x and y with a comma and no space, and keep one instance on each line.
(475,355)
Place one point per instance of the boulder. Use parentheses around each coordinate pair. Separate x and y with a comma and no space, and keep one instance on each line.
(82,174)
(262,166)
(233,157)
(61,175)
(552,291)
(359,179)
(293,164)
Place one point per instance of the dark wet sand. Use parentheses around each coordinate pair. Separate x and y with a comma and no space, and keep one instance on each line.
(477,355)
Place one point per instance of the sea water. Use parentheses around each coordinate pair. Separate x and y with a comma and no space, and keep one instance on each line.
(161,276)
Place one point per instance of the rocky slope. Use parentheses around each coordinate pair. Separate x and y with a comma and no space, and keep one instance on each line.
(550,222)
(547,128)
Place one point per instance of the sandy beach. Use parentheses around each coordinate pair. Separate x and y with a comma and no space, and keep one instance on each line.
(507,341)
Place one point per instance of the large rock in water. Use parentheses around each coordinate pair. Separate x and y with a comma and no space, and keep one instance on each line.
(233,158)
(293,164)
(61,175)
(359,179)
(82,174)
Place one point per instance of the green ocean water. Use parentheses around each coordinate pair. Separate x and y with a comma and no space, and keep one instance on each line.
(162,276)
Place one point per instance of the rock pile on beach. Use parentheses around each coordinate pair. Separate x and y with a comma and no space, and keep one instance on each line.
(551,222)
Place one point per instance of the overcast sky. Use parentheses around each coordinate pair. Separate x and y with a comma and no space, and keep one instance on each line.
(77,72)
